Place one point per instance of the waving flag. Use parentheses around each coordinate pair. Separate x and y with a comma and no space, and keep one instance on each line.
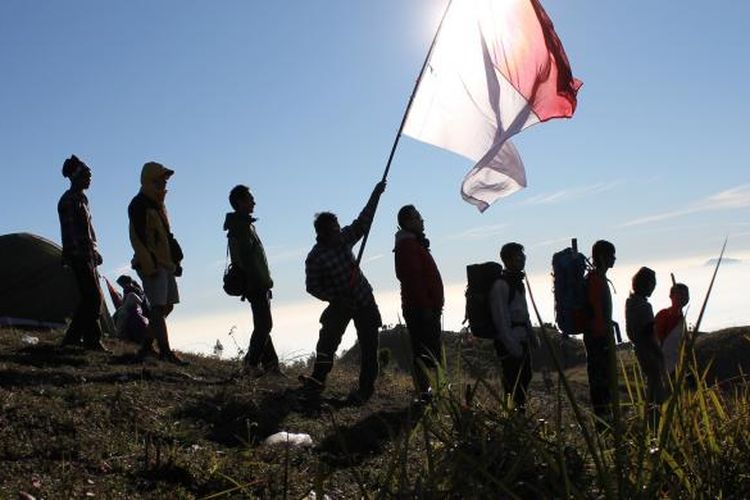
(497,67)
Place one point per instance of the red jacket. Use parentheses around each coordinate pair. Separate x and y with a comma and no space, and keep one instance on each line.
(421,284)
(600,301)
(666,321)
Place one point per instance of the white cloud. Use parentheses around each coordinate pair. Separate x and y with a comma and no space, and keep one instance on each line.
(478,233)
(737,197)
(373,258)
(571,194)
(285,255)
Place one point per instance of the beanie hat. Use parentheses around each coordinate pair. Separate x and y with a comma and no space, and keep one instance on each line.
(72,167)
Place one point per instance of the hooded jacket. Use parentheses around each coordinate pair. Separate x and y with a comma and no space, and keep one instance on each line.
(421,284)
(246,250)
(149,224)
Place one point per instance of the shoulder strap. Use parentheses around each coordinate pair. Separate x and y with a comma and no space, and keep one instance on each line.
(227,259)
(511,289)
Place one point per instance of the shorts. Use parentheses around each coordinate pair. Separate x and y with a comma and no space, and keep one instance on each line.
(160,288)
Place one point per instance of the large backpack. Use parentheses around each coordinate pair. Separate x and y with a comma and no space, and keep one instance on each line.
(480,278)
(571,304)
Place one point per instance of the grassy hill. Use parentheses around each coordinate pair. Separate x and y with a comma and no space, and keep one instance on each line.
(725,354)
(78,424)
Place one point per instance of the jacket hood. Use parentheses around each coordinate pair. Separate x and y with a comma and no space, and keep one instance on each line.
(233,220)
(152,171)
(402,235)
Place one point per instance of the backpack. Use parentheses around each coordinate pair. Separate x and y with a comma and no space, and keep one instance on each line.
(234,279)
(480,278)
(571,304)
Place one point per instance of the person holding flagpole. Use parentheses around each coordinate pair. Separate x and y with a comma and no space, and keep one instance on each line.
(333,275)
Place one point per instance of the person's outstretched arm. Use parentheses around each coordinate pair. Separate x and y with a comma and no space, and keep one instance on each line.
(357,229)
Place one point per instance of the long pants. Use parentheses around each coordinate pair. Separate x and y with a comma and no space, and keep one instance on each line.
(261,350)
(597,365)
(85,323)
(651,360)
(333,321)
(427,350)
(516,373)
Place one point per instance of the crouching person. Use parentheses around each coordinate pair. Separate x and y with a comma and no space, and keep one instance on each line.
(247,254)
(131,317)
(510,316)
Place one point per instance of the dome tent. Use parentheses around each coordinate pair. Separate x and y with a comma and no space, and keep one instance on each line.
(35,289)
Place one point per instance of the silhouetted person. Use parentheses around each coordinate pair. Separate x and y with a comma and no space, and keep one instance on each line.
(81,254)
(422,297)
(510,316)
(669,326)
(332,275)
(247,254)
(639,324)
(598,335)
(157,256)
(131,317)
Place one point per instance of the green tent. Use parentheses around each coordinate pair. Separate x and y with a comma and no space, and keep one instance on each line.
(35,289)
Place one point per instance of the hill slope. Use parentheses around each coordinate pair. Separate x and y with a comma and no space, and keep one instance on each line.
(74,423)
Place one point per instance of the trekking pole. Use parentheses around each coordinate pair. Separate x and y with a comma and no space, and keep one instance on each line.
(403,122)
(710,287)
(588,438)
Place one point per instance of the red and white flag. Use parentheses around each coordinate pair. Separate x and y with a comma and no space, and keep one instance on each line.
(497,67)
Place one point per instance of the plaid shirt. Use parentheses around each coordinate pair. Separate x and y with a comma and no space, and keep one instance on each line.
(331,271)
(78,237)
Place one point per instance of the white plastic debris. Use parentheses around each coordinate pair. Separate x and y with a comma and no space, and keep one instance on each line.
(290,439)
(28,339)
(313,496)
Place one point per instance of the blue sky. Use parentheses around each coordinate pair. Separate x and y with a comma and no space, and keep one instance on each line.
(301,101)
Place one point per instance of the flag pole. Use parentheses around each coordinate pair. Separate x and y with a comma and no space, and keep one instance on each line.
(403,122)
(710,287)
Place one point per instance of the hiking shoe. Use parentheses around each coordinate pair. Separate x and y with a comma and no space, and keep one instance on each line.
(96,347)
(358,398)
(171,357)
(311,388)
